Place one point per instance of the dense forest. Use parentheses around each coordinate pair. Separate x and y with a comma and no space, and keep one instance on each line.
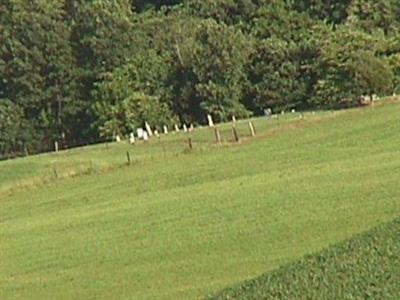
(80,71)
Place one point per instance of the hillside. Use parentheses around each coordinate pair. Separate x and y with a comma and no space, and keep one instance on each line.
(195,222)
(365,267)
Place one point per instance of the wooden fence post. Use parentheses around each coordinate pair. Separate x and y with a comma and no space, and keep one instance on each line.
(128,157)
(235,134)
(217,135)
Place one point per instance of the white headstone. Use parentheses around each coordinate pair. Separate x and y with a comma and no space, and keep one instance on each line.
(117,138)
(210,121)
(131,138)
(140,133)
(268,112)
(145,135)
(165,129)
(148,129)
(293,111)
(156,133)
(185,128)
(176,128)
(233,119)
(191,128)
(282,112)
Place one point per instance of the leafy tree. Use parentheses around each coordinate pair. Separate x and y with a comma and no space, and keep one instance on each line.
(218,63)
(37,66)
(127,98)
(15,137)
(375,15)
(351,65)
(141,5)
(274,76)
(331,11)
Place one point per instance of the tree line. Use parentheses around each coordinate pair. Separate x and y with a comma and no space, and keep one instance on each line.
(77,71)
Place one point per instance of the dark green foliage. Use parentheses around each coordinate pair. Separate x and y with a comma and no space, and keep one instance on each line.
(37,66)
(11,128)
(351,65)
(65,65)
(274,76)
(141,5)
(329,10)
(365,267)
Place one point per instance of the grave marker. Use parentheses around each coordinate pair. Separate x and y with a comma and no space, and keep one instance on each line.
(148,129)
(132,138)
(145,135)
(210,121)
(140,133)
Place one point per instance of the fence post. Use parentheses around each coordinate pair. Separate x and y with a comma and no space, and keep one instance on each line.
(235,134)
(190,143)
(128,157)
(217,135)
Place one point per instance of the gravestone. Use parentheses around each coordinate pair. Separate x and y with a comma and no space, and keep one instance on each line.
(233,119)
(185,128)
(140,133)
(117,138)
(210,121)
(145,135)
(132,138)
(165,129)
(191,128)
(268,112)
(148,129)
(176,128)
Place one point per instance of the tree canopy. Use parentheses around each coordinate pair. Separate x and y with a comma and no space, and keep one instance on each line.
(80,71)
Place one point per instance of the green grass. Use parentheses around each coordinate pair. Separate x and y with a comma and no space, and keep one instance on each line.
(192,223)
(38,169)
(365,267)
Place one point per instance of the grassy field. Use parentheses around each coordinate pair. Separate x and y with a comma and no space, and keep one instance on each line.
(365,267)
(186,224)
(34,170)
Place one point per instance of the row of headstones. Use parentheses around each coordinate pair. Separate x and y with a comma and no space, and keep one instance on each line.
(146,134)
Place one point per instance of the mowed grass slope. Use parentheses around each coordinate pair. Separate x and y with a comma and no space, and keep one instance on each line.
(190,225)
(35,170)
(365,267)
